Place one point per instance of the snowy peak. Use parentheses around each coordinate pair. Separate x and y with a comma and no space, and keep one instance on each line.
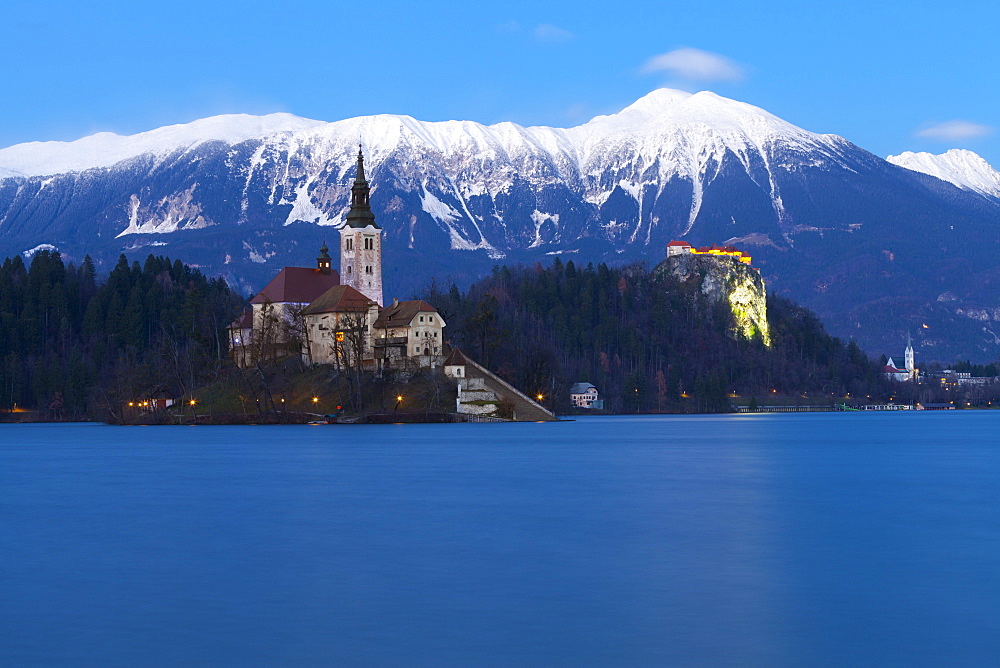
(106,148)
(702,122)
(961,167)
(672,110)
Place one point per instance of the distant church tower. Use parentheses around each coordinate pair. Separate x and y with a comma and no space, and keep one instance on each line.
(908,357)
(361,242)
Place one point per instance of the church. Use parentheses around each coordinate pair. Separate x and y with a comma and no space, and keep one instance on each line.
(338,318)
(909,370)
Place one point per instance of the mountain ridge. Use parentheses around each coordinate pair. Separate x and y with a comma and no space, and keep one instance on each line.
(961,167)
(830,224)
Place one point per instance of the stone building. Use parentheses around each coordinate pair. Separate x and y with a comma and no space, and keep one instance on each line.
(409,333)
(361,241)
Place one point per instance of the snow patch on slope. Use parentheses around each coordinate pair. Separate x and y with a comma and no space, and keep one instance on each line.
(176,212)
(961,167)
(40,247)
(540,218)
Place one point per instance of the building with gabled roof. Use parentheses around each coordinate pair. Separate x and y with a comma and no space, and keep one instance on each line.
(275,309)
(584,395)
(338,327)
(409,331)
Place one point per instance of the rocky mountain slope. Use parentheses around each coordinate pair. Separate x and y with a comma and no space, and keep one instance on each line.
(874,247)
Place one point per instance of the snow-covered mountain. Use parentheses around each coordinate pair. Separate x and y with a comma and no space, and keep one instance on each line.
(105,149)
(960,166)
(829,223)
(629,161)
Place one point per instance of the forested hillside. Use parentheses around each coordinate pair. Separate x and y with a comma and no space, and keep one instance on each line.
(648,343)
(72,346)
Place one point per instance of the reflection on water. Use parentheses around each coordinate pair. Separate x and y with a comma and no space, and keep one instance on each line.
(752,539)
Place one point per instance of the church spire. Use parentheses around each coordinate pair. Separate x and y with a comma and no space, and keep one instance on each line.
(360,214)
(908,356)
(360,178)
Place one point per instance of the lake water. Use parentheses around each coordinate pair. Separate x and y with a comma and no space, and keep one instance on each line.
(809,539)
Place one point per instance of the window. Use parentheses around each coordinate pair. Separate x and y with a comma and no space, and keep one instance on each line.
(348,269)
(369,243)
(348,244)
(421,318)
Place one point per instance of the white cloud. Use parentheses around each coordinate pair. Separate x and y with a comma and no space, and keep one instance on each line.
(552,34)
(695,65)
(955,130)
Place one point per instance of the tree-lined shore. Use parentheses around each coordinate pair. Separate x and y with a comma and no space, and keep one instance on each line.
(76,346)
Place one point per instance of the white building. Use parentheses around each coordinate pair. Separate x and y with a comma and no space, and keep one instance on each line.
(339,328)
(409,332)
(583,395)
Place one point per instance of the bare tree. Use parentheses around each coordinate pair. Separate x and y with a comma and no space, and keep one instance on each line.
(354,327)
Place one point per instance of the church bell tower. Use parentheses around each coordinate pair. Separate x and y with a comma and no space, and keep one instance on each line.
(361,242)
(908,357)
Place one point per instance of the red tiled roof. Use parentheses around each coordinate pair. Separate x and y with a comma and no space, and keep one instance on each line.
(298,285)
(456,358)
(678,243)
(244,321)
(339,299)
(402,313)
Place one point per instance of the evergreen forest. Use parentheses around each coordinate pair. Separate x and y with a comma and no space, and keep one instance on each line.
(73,346)
(76,346)
(648,343)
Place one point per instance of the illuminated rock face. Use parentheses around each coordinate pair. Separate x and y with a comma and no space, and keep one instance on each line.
(725,279)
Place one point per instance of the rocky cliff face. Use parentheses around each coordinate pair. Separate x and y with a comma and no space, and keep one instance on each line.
(728,281)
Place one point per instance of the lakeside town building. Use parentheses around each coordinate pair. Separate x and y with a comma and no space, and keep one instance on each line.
(909,372)
(585,395)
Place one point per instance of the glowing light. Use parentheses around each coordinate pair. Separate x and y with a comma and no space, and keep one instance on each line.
(399,397)
(315,400)
(539,397)
(192,402)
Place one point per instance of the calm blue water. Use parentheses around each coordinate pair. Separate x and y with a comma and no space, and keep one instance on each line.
(817,539)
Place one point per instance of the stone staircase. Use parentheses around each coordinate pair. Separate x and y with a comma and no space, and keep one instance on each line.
(481,384)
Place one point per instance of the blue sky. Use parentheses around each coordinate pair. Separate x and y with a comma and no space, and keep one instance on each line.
(890,76)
